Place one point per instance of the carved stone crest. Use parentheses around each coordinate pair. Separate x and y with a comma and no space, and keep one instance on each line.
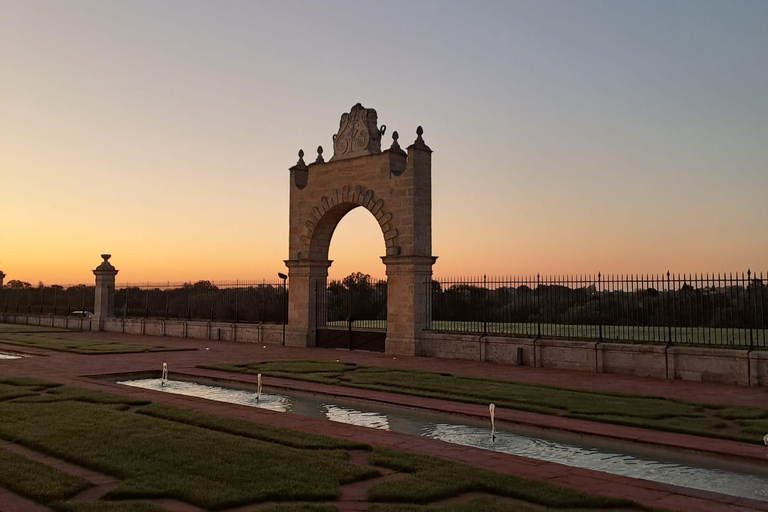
(358,134)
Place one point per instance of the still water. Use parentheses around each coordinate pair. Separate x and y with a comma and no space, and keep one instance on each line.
(684,469)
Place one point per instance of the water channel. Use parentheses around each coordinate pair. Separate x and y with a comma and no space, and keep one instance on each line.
(694,470)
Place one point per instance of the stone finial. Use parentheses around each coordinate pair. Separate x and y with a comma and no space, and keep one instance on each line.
(105,265)
(319,159)
(300,171)
(358,134)
(2,276)
(300,165)
(395,147)
(395,136)
(419,142)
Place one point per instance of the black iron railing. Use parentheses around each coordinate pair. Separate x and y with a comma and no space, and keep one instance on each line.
(225,301)
(20,298)
(709,309)
(357,301)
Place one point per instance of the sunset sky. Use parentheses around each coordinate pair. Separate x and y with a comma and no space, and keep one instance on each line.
(568,136)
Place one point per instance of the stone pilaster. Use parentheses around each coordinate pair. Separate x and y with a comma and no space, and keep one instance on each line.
(409,281)
(308,280)
(104,304)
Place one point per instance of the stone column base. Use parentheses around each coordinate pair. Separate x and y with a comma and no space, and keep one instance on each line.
(400,346)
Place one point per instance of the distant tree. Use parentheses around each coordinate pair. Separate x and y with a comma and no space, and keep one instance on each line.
(357,280)
(204,286)
(15,284)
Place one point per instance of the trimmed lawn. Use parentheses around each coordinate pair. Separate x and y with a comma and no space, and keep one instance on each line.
(723,422)
(432,479)
(53,341)
(157,458)
(216,463)
(35,480)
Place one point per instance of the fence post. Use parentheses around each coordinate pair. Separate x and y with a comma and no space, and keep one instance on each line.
(600,305)
(669,310)
(538,303)
(485,306)
(752,324)
(237,309)
(349,316)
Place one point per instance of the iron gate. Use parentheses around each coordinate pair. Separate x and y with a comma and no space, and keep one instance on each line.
(352,314)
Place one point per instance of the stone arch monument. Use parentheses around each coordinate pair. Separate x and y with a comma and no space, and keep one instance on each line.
(395,186)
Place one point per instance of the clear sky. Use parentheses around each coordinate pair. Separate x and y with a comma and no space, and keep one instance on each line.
(568,136)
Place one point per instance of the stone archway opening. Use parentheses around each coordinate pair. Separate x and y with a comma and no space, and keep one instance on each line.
(395,187)
(352,310)
(357,246)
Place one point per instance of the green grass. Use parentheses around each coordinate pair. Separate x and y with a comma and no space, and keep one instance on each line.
(35,480)
(722,422)
(108,506)
(215,463)
(281,436)
(158,458)
(53,341)
(718,337)
(432,479)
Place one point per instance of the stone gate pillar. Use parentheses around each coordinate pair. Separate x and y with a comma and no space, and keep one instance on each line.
(395,186)
(409,281)
(104,301)
(308,280)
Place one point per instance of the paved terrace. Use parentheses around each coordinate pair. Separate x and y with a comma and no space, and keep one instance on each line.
(79,370)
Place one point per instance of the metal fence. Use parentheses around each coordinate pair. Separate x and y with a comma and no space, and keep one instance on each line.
(226,301)
(357,301)
(53,300)
(709,309)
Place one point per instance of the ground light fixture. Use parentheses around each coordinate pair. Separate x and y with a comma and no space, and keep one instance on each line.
(283,277)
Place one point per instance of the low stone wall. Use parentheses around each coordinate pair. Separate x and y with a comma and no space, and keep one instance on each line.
(216,331)
(724,365)
(224,331)
(54,321)
(729,366)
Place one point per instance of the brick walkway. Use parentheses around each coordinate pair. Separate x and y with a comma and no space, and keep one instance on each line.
(78,370)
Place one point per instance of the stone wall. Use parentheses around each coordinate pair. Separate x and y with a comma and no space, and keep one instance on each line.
(249,333)
(54,321)
(723,365)
(729,366)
